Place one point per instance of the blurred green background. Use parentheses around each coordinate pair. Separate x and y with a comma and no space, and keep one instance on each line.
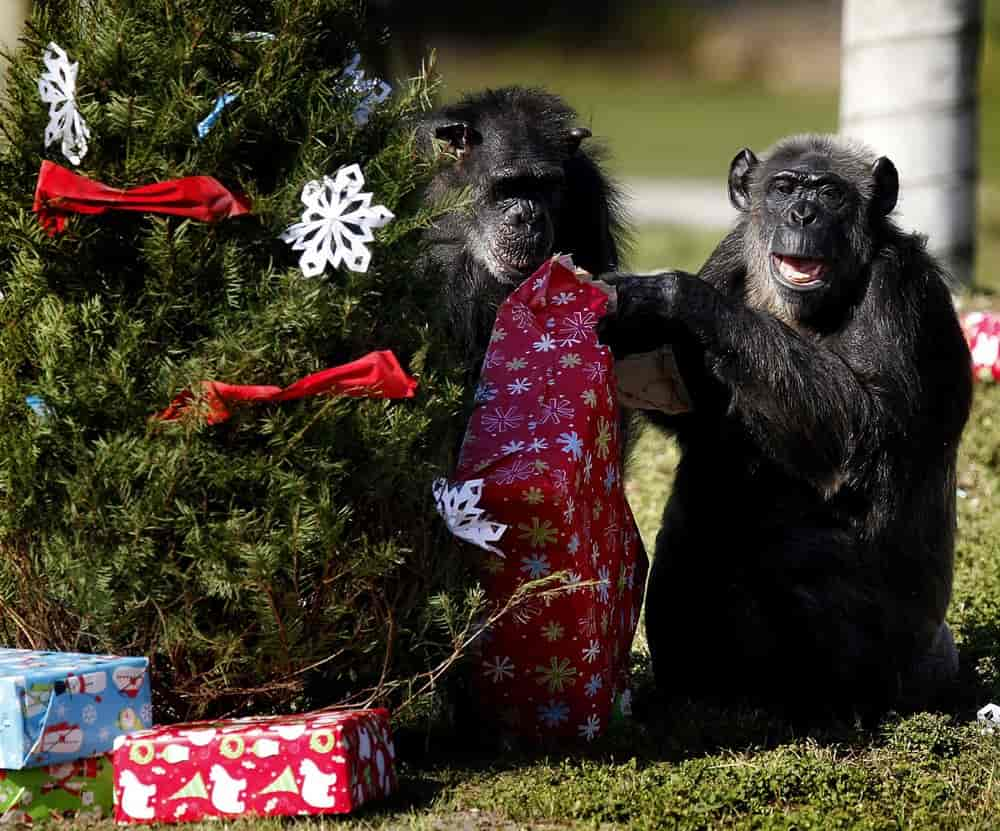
(675,89)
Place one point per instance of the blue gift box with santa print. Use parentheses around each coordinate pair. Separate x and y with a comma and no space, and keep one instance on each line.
(60,706)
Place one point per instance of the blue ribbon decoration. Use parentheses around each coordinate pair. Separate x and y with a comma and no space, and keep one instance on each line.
(208,122)
(38,405)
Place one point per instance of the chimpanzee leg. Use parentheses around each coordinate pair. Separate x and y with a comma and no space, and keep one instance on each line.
(928,681)
(791,622)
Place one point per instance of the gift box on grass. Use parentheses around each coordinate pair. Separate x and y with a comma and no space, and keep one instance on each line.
(982,333)
(325,762)
(60,706)
(81,789)
(542,454)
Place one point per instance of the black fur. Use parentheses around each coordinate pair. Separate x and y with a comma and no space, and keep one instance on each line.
(805,558)
(514,149)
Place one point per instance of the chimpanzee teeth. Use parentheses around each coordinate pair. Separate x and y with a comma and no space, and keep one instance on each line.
(811,274)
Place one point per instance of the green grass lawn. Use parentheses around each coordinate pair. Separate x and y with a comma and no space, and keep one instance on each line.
(652,125)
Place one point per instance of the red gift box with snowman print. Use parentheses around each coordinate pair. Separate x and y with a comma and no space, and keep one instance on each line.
(323,762)
(539,486)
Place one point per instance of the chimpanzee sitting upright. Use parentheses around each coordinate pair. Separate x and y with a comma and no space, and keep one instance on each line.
(534,192)
(805,557)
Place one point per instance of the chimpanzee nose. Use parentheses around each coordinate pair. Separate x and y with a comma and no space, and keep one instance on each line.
(802,213)
(523,212)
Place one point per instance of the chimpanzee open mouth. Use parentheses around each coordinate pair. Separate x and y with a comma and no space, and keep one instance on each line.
(799,273)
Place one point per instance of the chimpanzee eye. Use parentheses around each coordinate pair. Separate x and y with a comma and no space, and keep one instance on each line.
(783,186)
(832,194)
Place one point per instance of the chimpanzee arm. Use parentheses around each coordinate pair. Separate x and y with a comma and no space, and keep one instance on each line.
(798,399)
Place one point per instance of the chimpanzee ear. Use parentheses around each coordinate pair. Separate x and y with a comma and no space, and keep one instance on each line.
(575,136)
(886,185)
(460,135)
(739,179)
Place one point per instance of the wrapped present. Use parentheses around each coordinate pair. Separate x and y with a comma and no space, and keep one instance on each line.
(326,762)
(982,332)
(60,706)
(79,789)
(540,476)
(652,381)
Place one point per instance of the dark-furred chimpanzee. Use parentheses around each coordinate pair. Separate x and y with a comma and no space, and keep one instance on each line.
(534,192)
(805,558)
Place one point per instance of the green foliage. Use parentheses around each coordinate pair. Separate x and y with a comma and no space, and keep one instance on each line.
(289,554)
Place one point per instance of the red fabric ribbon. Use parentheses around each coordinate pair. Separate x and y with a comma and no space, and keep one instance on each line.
(376,375)
(61,192)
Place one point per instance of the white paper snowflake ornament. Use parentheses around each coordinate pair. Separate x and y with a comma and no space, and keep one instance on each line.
(57,87)
(338,221)
(458,505)
(371,91)
(989,718)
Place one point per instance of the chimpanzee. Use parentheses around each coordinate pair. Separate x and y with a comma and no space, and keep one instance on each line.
(805,557)
(534,192)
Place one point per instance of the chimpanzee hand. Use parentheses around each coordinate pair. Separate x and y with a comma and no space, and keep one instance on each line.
(646,308)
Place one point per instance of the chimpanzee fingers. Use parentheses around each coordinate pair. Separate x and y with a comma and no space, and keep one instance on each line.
(630,335)
(644,305)
(649,298)
(613,278)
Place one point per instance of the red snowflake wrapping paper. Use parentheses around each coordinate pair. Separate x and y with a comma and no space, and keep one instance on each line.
(313,763)
(982,332)
(545,439)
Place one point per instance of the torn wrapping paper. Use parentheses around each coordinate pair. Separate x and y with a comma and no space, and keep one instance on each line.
(982,333)
(545,439)
(988,717)
(60,706)
(80,789)
(652,381)
(325,762)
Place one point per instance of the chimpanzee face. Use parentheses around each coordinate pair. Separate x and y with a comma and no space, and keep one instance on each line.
(811,216)
(517,177)
(808,209)
(517,220)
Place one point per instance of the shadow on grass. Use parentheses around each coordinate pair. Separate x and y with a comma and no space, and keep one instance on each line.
(680,730)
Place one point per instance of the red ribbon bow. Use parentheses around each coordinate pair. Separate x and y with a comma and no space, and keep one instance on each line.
(61,192)
(376,375)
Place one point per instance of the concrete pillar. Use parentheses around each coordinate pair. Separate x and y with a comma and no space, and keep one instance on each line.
(13,13)
(909,73)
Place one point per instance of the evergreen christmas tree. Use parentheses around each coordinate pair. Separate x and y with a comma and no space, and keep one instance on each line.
(291,553)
